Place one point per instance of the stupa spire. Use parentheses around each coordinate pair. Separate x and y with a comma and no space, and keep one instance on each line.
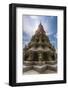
(40,28)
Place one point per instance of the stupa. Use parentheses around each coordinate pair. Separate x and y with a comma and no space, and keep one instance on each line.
(39,54)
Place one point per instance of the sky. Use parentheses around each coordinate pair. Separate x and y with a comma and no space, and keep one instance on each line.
(30,24)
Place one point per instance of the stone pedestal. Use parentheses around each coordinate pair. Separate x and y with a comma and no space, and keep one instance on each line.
(40,69)
(27,68)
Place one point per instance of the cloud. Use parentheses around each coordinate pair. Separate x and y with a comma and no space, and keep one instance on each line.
(34,17)
(26,38)
(49,33)
(55,35)
(54,43)
(25,43)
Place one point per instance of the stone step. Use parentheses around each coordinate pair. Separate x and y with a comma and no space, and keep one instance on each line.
(40,68)
(27,68)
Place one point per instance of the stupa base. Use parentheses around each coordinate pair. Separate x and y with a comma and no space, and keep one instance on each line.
(27,68)
(40,68)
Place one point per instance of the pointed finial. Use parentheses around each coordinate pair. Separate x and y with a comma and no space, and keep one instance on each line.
(40,22)
(40,25)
